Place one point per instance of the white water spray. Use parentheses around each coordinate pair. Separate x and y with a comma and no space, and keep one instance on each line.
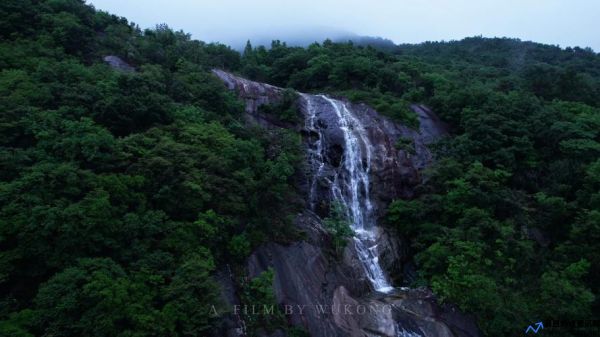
(350,185)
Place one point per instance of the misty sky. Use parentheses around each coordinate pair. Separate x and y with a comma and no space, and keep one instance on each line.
(559,22)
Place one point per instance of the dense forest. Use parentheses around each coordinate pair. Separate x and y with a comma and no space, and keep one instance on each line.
(121,191)
(508,221)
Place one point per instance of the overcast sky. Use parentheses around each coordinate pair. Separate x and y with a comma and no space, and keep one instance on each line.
(558,22)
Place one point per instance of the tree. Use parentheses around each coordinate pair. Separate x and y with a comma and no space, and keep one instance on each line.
(338,225)
(259,293)
(192,295)
(96,298)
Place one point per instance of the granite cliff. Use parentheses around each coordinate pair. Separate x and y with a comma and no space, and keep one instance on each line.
(353,158)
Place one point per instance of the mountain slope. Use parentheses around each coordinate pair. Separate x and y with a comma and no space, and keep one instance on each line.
(120,192)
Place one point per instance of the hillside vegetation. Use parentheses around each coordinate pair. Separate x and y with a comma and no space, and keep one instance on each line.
(122,192)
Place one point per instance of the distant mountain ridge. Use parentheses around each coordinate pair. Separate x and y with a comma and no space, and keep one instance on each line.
(304,38)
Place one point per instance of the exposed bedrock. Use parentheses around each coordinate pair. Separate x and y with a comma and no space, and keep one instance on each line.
(306,272)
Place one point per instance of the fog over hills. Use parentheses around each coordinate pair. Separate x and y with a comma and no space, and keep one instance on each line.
(556,22)
(304,37)
(293,36)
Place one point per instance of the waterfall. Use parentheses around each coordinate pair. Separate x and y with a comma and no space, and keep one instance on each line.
(315,151)
(341,163)
(350,184)
(401,332)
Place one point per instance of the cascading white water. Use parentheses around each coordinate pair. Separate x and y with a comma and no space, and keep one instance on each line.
(350,185)
(401,332)
(315,150)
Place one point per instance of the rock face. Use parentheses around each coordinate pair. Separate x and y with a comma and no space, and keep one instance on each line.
(326,295)
(118,64)
(254,95)
(395,172)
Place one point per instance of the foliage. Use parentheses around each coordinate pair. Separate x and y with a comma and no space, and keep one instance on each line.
(498,227)
(405,144)
(338,226)
(121,192)
(363,74)
(285,110)
(261,311)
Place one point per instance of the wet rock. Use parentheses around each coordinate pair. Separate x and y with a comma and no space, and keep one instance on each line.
(231,324)
(345,320)
(389,249)
(405,313)
(304,277)
(334,154)
(310,223)
(306,272)
(392,252)
(363,317)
